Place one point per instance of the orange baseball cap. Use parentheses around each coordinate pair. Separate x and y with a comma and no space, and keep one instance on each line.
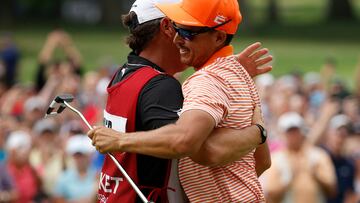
(205,13)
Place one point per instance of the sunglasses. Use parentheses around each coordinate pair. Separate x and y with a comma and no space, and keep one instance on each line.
(190,34)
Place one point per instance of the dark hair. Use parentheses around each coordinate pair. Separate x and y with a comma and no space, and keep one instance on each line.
(140,34)
(229,37)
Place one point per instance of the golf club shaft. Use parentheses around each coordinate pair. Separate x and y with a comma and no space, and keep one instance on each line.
(78,113)
(137,190)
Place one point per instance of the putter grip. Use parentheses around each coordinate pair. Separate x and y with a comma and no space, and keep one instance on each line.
(61,108)
(49,110)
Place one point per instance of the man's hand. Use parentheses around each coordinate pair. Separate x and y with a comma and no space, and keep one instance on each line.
(104,139)
(254,61)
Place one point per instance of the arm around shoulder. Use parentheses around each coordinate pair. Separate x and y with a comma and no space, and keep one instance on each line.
(226,145)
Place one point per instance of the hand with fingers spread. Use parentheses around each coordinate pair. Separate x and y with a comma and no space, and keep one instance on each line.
(104,139)
(255,60)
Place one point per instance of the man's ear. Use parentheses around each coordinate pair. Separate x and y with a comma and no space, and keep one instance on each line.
(166,28)
(220,37)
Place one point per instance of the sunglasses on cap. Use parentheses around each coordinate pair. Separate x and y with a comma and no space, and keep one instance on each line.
(190,34)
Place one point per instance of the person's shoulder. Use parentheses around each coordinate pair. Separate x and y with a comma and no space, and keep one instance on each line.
(224,67)
(161,88)
(162,81)
(316,153)
(210,75)
(228,63)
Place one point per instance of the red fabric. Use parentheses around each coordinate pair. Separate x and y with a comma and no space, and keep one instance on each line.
(17,108)
(25,182)
(91,113)
(122,102)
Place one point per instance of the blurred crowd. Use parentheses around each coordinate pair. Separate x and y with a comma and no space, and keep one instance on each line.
(313,121)
(52,159)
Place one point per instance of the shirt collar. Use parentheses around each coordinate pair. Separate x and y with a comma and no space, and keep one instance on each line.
(223,52)
(135,61)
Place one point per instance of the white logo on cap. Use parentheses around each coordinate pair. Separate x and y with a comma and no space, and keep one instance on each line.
(219,19)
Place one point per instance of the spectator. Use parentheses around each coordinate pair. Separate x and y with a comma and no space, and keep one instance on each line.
(47,65)
(7,187)
(356,156)
(9,55)
(33,110)
(315,91)
(26,179)
(7,125)
(338,89)
(351,109)
(79,182)
(336,135)
(46,156)
(300,172)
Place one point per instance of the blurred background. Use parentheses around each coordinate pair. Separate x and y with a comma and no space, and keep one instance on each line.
(74,46)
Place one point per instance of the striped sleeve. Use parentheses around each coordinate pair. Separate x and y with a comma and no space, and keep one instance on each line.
(206,92)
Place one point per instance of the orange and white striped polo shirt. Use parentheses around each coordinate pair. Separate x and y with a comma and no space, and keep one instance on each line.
(226,91)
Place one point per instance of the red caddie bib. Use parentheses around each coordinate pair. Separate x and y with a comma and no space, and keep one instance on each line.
(120,115)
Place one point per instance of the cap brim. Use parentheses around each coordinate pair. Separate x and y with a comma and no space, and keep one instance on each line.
(177,14)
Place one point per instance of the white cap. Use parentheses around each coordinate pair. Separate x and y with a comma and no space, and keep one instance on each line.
(265,80)
(79,144)
(290,120)
(288,82)
(147,11)
(18,140)
(34,103)
(43,125)
(338,121)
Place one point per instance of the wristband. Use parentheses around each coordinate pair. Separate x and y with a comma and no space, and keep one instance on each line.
(263,133)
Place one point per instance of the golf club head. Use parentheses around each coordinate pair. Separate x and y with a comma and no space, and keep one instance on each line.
(59,100)
(65,97)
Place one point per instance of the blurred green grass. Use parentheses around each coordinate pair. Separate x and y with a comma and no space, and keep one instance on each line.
(301,41)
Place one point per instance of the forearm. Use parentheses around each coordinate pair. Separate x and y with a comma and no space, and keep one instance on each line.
(48,90)
(164,142)
(275,184)
(262,159)
(172,141)
(47,51)
(328,186)
(227,145)
(316,133)
(73,53)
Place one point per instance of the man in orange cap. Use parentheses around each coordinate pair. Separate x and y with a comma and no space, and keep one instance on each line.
(221,94)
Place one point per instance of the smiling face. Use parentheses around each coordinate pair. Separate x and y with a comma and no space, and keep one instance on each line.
(197,50)
(172,52)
